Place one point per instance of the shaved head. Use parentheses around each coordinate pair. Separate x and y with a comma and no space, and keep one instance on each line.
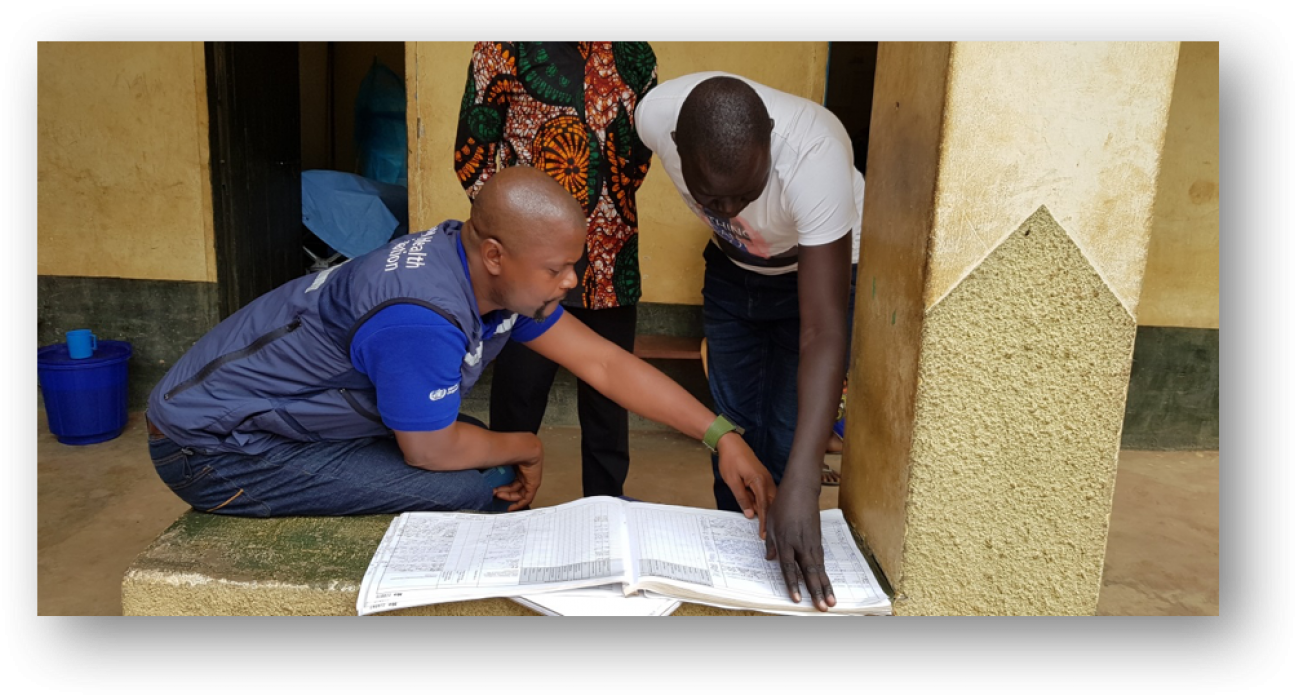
(523,208)
(724,138)
(524,235)
(722,121)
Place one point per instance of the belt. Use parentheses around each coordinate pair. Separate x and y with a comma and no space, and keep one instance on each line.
(154,432)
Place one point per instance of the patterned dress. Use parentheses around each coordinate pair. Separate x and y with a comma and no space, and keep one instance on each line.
(566,109)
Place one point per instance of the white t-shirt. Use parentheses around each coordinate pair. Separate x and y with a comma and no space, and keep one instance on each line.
(813,196)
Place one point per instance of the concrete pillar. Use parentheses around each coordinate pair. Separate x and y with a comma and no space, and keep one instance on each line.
(1007,214)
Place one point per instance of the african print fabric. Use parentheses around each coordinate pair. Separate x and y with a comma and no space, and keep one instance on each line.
(566,109)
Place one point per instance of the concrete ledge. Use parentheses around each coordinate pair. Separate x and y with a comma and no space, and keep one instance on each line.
(219,565)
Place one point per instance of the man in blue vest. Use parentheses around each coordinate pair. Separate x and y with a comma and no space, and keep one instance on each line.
(338,393)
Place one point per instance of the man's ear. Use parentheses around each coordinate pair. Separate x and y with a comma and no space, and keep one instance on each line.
(491,250)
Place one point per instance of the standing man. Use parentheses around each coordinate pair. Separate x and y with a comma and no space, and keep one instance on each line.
(567,109)
(772,175)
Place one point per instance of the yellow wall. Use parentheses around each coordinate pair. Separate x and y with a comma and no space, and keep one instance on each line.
(671,238)
(435,81)
(122,161)
(1181,287)
(124,184)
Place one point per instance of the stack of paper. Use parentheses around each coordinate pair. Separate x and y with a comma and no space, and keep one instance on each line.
(599,601)
(610,550)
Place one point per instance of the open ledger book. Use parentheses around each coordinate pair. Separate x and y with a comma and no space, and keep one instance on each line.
(690,554)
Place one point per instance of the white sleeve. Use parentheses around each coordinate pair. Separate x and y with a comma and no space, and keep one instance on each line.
(655,122)
(821,194)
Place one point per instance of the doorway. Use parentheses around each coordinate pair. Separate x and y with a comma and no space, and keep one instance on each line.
(850,82)
(276,109)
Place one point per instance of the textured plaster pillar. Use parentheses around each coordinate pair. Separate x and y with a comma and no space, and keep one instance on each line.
(1007,215)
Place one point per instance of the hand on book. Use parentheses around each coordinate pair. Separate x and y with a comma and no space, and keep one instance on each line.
(750,482)
(522,491)
(796,537)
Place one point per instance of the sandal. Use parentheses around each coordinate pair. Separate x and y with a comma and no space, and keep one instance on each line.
(830,477)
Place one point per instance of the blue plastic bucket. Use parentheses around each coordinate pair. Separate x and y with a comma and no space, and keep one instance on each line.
(85,400)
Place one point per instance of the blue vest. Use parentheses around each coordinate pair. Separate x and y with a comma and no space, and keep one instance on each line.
(280,370)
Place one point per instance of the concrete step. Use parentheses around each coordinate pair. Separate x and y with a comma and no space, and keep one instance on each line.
(220,565)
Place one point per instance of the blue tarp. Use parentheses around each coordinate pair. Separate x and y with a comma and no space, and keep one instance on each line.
(380,130)
(352,214)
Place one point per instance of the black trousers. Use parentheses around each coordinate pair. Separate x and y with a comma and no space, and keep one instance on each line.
(521,384)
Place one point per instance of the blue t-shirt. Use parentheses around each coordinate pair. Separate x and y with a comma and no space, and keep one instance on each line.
(413,356)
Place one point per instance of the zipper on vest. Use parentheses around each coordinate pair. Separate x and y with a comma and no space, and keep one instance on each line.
(218,363)
(356,406)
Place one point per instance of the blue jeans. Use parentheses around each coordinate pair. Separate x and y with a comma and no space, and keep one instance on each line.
(353,477)
(751,322)
(521,385)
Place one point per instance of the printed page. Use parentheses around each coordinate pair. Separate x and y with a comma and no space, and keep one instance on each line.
(599,601)
(428,558)
(707,555)
(716,604)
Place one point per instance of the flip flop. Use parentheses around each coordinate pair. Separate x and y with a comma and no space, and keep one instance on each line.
(829,476)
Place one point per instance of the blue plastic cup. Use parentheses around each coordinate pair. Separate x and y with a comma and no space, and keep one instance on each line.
(82,344)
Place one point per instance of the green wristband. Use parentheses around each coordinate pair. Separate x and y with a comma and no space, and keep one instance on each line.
(721,426)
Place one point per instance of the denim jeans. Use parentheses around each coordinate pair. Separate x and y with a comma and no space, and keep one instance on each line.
(751,323)
(353,477)
(521,385)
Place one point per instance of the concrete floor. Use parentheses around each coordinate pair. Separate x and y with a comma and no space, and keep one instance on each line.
(100,505)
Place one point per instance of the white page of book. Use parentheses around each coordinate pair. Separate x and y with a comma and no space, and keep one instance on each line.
(695,550)
(598,601)
(428,558)
(811,612)
(715,604)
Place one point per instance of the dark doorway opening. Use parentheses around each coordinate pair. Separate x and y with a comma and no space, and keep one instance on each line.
(850,82)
